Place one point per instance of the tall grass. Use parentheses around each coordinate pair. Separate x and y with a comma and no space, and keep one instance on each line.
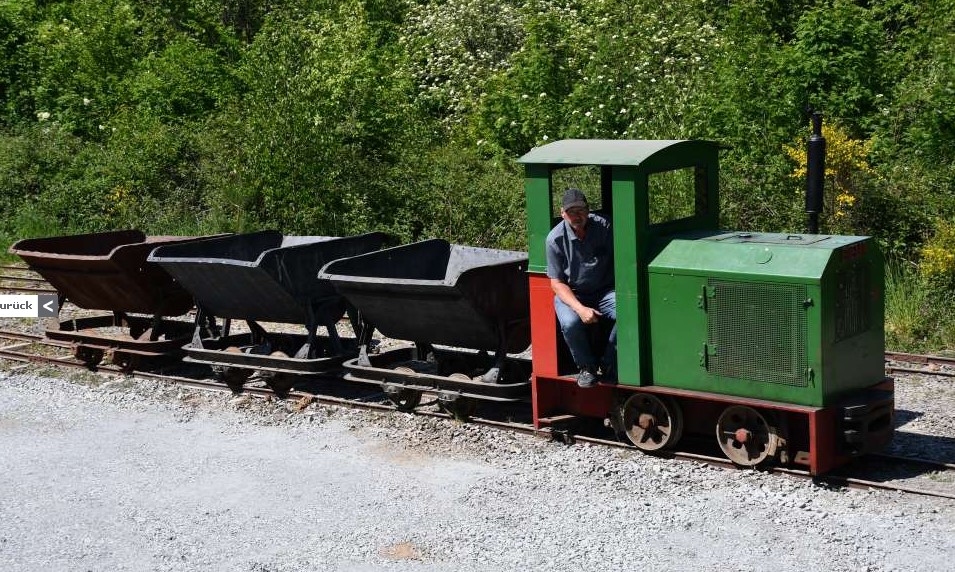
(918,318)
(904,300)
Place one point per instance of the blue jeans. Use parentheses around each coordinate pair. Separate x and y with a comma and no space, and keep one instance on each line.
(575,331)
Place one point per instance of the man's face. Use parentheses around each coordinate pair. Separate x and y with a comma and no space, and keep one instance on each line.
(576,217)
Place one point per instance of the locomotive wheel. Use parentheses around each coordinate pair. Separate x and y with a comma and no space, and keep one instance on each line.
(652,423)
(89,356)
(745,436)
(404,399)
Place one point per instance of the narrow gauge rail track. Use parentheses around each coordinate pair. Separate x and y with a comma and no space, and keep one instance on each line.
(24,284)
(934,364)
(12,345)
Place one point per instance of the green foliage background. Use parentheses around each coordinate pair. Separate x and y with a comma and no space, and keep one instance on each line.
(341,116)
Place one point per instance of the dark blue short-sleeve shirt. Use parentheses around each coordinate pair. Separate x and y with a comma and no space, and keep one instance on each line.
(585,265)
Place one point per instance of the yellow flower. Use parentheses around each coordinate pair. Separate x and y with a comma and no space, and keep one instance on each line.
(845,199)
(938,254)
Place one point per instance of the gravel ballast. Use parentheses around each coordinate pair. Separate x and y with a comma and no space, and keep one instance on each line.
(120,474)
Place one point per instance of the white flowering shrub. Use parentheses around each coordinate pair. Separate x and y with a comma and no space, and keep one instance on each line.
(602,69)
(644,65)
(74,61)
(454,47)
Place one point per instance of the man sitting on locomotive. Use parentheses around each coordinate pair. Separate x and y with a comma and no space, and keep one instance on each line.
(580,268)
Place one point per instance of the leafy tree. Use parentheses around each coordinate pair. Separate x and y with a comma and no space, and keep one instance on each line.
(522,106)
(836,59)
(15,22)
(325,96)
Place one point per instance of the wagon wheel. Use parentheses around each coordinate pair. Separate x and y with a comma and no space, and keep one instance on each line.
(89,356)
(234,377)
(280,383)
(126,362)
(461,408)
(405,399)
(652,423)
(449,364)
(745,436)
(456,405)
(515,372)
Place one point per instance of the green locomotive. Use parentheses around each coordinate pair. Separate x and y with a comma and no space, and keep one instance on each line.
(771,343)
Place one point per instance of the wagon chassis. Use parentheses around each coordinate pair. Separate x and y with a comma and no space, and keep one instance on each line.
(149,339)
(456,376)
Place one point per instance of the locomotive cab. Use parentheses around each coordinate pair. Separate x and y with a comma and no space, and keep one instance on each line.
(683,172)
(775,341)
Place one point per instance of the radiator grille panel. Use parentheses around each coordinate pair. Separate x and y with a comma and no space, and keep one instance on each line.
(757,332)
(852,301)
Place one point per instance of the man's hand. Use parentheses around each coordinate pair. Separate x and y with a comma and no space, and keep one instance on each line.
(589,315)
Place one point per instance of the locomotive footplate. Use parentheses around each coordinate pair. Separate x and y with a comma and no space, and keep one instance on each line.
(452,373)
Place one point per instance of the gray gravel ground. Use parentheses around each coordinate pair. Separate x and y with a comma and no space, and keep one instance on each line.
(132,475)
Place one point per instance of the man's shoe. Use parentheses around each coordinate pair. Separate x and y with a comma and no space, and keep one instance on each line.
(586,378)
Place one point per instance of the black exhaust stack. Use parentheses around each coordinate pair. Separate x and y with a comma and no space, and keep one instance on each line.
(815,172)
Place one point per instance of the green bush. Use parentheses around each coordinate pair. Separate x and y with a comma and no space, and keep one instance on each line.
(836,60)
(453,192)
(327,101)
(33,160)
(453,48)
(185,81)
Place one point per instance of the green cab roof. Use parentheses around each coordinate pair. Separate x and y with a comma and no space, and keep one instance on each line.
(612,151)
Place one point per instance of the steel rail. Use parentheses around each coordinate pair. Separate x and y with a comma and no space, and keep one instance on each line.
(4,277)
(12,335)
(27,290)
(929,360)
(24,284)
(940,465)
(919,358)
(829,478)
(918,371)
(8,352)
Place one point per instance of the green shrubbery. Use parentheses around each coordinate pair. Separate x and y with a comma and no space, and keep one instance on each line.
(341,116)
